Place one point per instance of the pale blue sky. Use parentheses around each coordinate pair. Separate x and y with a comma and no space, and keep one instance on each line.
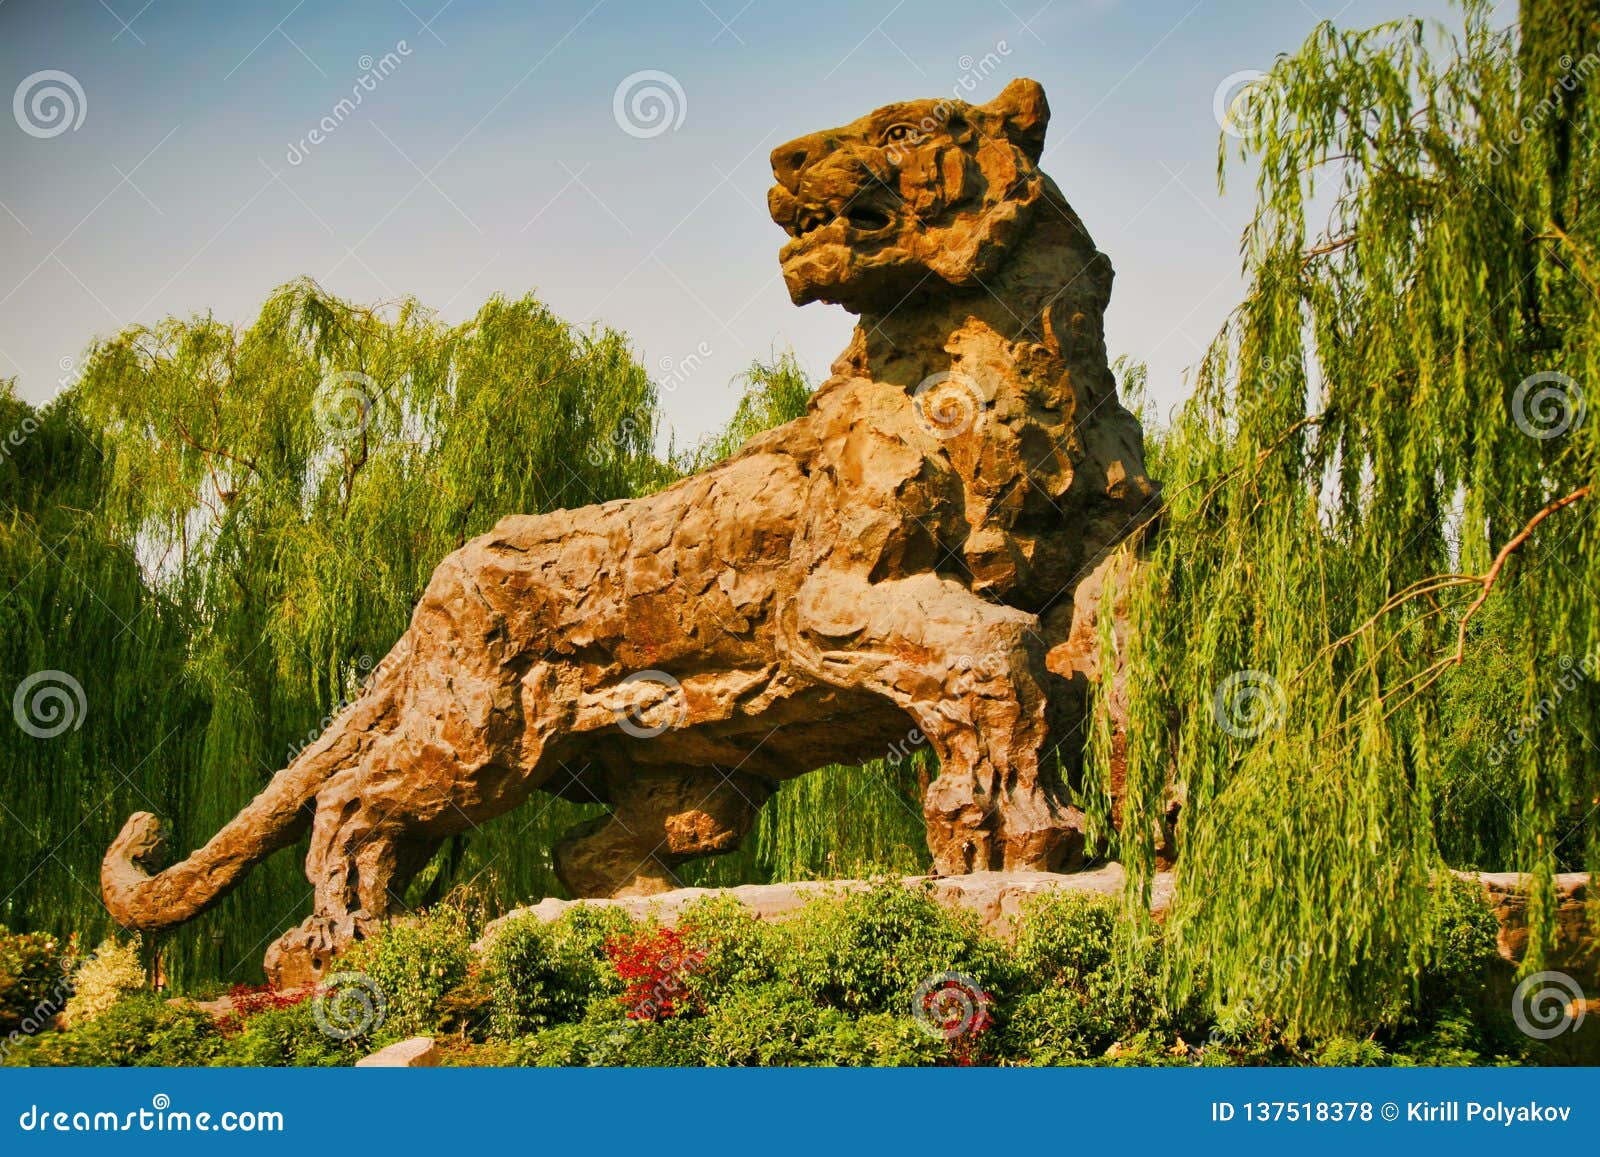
(490,159)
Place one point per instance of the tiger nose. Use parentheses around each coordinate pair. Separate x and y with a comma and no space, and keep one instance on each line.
(790,160)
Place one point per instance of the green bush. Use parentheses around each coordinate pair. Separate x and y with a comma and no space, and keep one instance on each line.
(1092,984)
(775,1025)
(606,1038)
(546,974)
(869,951)
(1062,937)
(413,963)
(738,950)
(278,1037)
(1466,943)
(1053,1027)
(32,981)
(1351,1053)
(139,1030)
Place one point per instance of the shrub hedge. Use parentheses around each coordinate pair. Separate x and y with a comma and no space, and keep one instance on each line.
(880,976)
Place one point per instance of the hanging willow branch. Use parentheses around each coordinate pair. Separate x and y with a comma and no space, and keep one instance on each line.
(1354,590)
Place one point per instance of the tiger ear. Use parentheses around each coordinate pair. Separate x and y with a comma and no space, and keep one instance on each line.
(1023,114)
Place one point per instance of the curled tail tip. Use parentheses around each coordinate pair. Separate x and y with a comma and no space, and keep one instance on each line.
(140,839)
(123,871)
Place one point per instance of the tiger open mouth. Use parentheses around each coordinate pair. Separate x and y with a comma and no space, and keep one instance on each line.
(862,218)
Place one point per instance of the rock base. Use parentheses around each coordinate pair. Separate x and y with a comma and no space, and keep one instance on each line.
(417,1053)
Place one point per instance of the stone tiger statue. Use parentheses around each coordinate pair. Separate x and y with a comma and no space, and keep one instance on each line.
(921,554)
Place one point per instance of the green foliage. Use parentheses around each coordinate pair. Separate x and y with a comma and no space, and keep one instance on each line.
(736,948)
(414,962)
(543,974)
(1362,445)
(778,1025)
(1090,984)
(140,1030)
(867,951)
(278,1037)
(605,1039)
(1062,937)
(32,980)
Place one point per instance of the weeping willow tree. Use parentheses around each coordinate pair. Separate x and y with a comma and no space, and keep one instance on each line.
(217,534)
(98,716)
(1379,562)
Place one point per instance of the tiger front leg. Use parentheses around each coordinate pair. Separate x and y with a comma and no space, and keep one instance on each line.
(971,676)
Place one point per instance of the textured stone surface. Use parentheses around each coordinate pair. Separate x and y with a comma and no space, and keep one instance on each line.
(1576,950)
(417,1053)
(901,562)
